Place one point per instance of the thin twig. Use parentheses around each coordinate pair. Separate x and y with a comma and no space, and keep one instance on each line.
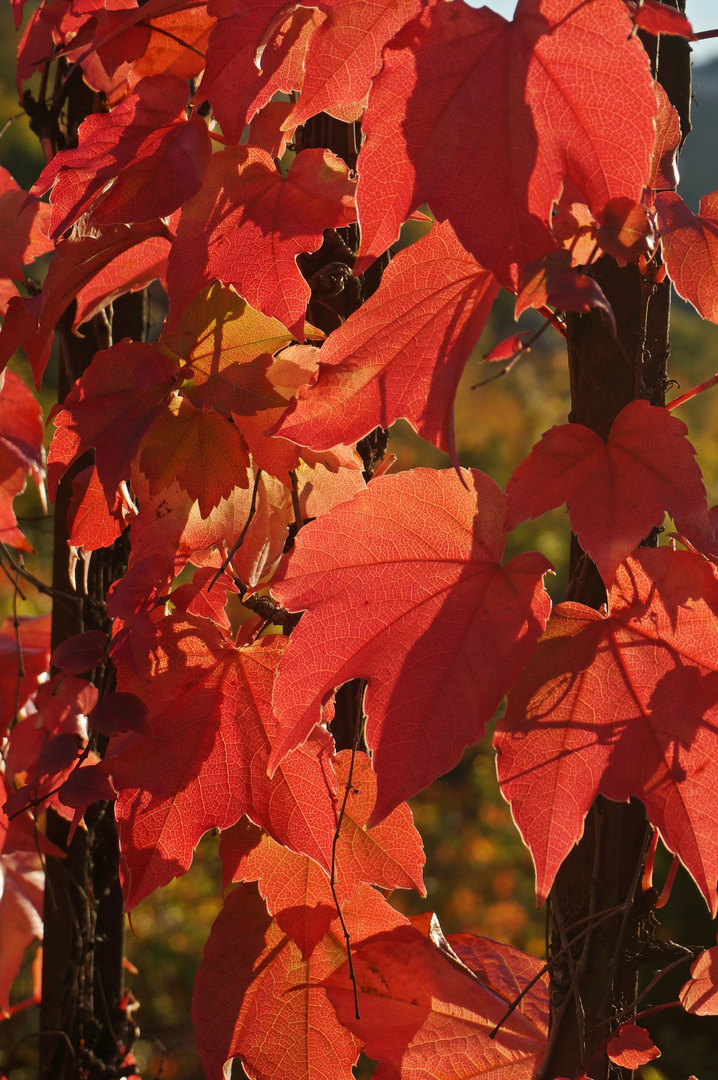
(240,539)
(580,1016)
(46,590)
(689,394)
(335,841)
(629,1010)
(18,643)
(630,902)
(552,319)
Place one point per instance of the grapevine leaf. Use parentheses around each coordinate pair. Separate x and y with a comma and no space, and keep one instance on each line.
(700,994)
(404,587)
(247,225)
(197,448)
(204,763)
(402,353)
(257,999)
(497,178)
(425,1014)
(631,1046)
(646,464)
(653,658)
(233,83)
(344,54)
(690,249)
(153,157)
(111,407)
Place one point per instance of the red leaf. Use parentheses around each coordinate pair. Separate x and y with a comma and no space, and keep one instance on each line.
(657,18)
(23,224)
(247,225)
(690,249)
(154,157)
(402,353)
(111,407)
(77,260)
(497,179)
(297,891)
(225,348)
(292,368)
(131,271)
(390,854)
(404,587)
(631,1046)
(204,764)
(21,428)
(118,713)
(86,785)
(700,994)
(424,1014)
(171,522)
(90,521)
(81,652)
(194,598)
(233,82)
(23,881)
(265,131)
(255,998)
(506,970)
(647,463)
(33,636)
(295,887)
(345,54)
(552,280)
(247,1003)
(664,170)
(197,448)
(509,347)
(652,658)
(626,231)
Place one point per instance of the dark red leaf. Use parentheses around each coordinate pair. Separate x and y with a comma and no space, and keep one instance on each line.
(404,587)
(146,148)
(247,225)
(652,657)
(497,179)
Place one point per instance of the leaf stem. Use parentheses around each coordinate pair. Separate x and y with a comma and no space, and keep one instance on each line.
(240,539)
(335,841)
(693,393)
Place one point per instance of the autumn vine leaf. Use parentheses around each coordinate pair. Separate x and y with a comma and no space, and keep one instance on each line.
(256,998)
(297,890)
(700,994)
(490,179)
(215,702)
(246,216)
(404,587)
(690,249)
(234,84)
(345,53)
(402,354)
(646,463)
(652,657)
(151,153)
(423,1014)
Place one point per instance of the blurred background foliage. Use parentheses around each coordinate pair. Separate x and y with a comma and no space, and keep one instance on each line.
(479,876)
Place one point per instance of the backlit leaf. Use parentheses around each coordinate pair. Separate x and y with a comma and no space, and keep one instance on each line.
(647,464)
(622,704)
(247,225)
(405,587)
(526,85)
(402,354)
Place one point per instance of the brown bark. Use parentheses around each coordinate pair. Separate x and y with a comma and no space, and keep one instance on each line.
(85,1031)
(598,977)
